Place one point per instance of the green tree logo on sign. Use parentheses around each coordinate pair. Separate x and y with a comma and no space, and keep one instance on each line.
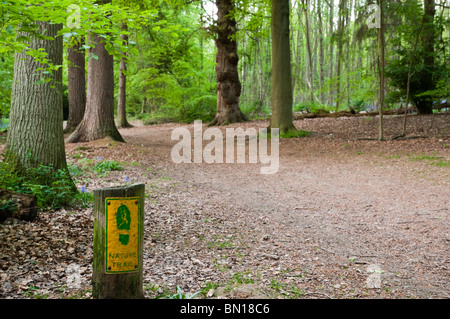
(123,218)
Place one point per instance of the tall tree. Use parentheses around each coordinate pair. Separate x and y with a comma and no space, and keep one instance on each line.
(122,94)
(330,32)
(381,63)
(76,86)
(228,84)
(36,136)
(308,48)
(425,102)
(321,52)
(281,68)
(340,40)
(98,120)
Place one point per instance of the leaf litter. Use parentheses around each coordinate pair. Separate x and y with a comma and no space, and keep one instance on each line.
(338,208)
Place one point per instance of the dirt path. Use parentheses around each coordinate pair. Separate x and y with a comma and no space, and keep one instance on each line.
(342,218)
(334,208)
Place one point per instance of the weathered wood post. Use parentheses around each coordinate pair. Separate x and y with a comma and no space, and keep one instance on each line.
(118,242)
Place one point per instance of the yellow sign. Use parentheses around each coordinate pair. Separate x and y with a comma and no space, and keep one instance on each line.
(122,234)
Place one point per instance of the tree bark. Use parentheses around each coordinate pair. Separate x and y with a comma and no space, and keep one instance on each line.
(321,53)
(381,58)
(98,120)
(122,94)
(228,84)
(35,135)
(331,97)
(76,87)
(425,103)
(308,48)
(342,8)
(281,68)
(144,105)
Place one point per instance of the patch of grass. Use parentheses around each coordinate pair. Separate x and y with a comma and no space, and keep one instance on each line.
(151,287)
(441,163)
(74,170)
(241,278)
(218,242)
(423,157)
(107,166)
(180,295)
(33,292)
(395,156)
(84,198)
(207,287)
(434,160)
(295,134)
(289,134)
(292,291)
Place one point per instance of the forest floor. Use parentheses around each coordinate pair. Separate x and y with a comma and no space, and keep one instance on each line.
(342,218)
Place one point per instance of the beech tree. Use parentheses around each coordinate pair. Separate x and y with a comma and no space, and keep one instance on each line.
(98,121)
(76,86)
(381,63)
(281,68)
(122,93)
(427,83)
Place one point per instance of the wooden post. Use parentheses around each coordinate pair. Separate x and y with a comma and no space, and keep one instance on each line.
(118,242)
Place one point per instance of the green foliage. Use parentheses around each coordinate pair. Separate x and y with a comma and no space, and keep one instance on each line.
(242,278)
(172,71)
(6,77)
(402,55)
(4,123)
(312,107)
(107,166)
(255,110)
(207,287)
(7,205)
(295,134)
(53,189)
(180,295)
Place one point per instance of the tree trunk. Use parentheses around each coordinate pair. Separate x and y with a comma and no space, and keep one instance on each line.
(381,54)
(342,7)
(308,48)
(331,97)
(122,94)
(76,87)
(98,121)
(144,105)
(36,135)
(321,53)
(228,84)
(281,68)
(425,103)
(408,82)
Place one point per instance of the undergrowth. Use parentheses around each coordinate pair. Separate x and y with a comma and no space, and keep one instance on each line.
(53,189)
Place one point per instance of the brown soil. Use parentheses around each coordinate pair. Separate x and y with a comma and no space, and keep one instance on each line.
(337,206)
